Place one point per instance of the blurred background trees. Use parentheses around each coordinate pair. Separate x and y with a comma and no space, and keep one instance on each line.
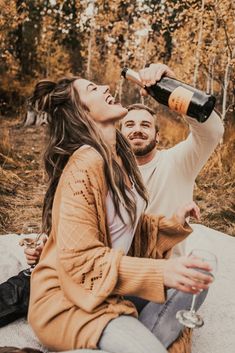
(95,38)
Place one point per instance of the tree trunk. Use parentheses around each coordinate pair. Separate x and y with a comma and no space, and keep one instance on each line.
(210,78)
(88,71)
(225,88)
(118,91)
(146,39)
(199,44)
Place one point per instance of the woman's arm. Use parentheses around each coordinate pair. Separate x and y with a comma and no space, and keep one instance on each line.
(144,274)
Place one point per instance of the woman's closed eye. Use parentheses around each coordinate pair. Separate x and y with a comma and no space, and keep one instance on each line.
(91,87)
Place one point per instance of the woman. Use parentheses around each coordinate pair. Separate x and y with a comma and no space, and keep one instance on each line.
(101,245)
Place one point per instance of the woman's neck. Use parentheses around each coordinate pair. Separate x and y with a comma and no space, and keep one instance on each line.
(109,133)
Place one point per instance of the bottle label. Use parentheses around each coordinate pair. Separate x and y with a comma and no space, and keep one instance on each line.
(179,100)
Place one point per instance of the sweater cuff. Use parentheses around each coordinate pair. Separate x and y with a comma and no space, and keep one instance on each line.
(141,277)
(182,230)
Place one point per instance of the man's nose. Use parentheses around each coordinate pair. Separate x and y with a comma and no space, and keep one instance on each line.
(137,128)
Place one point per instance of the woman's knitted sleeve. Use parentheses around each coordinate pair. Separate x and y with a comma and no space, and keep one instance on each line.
(159,235)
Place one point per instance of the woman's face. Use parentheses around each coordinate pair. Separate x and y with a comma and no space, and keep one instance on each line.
(101,105)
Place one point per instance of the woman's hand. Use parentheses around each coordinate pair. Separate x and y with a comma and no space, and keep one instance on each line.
(181,274)
(150,75)
(188,210)
(33,255)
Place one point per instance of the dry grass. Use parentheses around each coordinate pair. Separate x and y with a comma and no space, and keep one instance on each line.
(22,182)
(21,176)
(215,185)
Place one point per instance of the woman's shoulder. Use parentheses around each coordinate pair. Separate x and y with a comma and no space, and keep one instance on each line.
(86,160)
(87,155)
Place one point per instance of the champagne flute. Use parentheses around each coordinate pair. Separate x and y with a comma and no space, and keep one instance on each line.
(190,318)
(32,241)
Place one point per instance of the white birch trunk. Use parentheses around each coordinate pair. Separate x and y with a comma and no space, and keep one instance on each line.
(118,91)
(208,80)
(145,58)
(225,88)
(212,75)
(212,61)
(199,44)
(88,70)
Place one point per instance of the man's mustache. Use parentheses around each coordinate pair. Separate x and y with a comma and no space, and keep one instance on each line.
(138,135)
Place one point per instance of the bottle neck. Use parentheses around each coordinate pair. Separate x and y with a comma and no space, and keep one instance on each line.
(133,76)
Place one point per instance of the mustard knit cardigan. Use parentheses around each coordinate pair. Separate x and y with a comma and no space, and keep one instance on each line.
(79,283)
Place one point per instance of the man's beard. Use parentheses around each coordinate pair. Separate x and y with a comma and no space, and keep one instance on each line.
(142,151)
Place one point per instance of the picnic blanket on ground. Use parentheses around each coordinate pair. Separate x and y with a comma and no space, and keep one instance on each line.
(216,336)
(218,333)
(12,260)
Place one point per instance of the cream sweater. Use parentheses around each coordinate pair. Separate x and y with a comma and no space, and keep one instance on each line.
(170,175)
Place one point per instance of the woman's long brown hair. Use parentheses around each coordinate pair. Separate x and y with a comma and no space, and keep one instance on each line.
(70,128)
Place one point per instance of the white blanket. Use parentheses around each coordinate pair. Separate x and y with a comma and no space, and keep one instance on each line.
(218,333)
(12,260)
(218,311)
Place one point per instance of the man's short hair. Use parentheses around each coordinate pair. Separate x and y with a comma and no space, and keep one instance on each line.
(139,106)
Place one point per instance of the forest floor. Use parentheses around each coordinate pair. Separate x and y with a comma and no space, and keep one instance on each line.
(23,182)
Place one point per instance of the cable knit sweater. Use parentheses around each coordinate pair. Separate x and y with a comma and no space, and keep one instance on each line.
(79,284)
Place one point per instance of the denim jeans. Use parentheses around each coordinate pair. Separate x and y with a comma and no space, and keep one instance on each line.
(155,329)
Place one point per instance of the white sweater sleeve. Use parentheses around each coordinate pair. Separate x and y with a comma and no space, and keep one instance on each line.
(193,153)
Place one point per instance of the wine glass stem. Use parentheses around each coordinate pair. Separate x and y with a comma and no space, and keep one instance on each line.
(192,310)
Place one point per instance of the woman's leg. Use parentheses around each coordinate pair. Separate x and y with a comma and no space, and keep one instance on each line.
(127,334)
(160,318)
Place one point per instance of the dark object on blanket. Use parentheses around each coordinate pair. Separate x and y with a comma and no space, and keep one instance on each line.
(14,298)
(18,350)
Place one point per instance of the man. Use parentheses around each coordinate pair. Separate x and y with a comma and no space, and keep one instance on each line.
(169,175)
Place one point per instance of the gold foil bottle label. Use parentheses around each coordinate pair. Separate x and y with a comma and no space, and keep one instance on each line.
(179,100)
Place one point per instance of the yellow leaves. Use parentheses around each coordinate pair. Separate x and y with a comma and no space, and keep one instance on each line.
(135,32)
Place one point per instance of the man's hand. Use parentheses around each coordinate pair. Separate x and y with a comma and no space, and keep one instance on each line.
(152,74)
(188,210)
(33,255)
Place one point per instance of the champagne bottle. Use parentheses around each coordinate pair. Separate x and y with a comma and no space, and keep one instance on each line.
(177,95)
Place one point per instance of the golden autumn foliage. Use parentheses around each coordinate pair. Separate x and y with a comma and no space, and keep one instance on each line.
(95,39)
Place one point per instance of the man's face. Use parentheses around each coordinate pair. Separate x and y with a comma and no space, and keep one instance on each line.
(138,127)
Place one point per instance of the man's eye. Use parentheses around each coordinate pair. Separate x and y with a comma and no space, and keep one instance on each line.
(94,88)
(145,125)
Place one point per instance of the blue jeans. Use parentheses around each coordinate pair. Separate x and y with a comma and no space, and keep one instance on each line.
(155,329)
